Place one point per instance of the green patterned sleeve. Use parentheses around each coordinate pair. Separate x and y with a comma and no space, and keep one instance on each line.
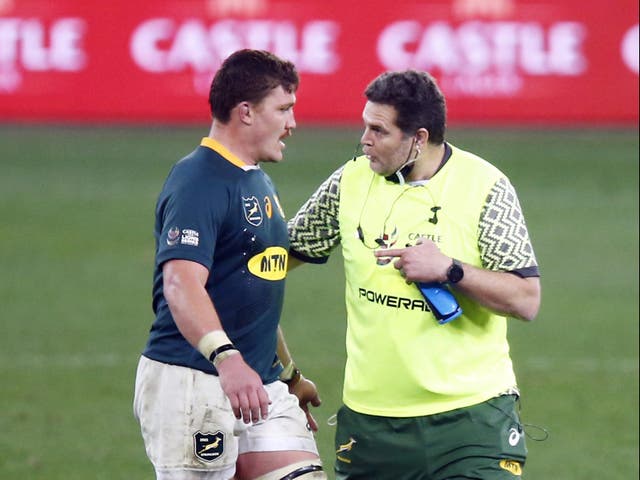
(503,236)
(315,231)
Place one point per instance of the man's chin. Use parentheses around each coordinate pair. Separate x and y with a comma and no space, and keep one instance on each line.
(273,159)
(376,168)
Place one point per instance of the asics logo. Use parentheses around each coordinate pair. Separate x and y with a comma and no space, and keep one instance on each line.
(514,436)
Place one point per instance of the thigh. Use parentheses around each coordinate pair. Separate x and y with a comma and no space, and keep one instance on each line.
(482,442)
(383,448)
(285,428)
(186,422)
(283,438)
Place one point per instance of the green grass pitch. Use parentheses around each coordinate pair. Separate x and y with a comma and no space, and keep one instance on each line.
(76,250)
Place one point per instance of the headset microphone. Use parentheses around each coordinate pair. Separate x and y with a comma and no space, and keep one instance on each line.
(355,152)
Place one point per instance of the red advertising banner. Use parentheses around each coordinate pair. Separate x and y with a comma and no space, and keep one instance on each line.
(542,62)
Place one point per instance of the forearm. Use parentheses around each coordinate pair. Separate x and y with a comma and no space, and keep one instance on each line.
(502,292)
(290,369)
(283,351)
(299,386)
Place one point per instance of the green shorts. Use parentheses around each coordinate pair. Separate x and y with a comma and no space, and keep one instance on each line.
(484,441)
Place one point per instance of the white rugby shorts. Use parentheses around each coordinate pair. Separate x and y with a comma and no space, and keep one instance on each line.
(188,426)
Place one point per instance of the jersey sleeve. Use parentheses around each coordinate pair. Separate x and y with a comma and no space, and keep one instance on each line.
(315,230)
(503,238)
(189,223)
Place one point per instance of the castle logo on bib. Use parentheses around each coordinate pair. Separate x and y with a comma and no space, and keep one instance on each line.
(270,264)
(252,210)
(208,447)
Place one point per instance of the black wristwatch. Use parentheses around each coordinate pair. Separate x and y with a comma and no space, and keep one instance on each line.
(455,272)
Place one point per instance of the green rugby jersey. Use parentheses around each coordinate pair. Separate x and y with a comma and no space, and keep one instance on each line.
(225,215)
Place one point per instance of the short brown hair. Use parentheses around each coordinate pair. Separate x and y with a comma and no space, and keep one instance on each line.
(248,76)
(417,99)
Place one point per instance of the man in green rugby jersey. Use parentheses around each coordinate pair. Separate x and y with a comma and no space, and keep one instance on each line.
(208,394)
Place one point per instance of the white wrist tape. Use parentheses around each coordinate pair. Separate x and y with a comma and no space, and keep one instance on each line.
(211,341)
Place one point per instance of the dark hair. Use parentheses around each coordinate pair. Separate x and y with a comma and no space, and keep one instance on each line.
(417,99)
(249,76)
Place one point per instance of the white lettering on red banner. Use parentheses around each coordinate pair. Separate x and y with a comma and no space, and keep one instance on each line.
(488,58)
(630,49)
(165,45)
(497,61)
(31,45)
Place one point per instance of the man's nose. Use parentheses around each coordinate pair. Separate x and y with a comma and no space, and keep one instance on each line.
(291,123)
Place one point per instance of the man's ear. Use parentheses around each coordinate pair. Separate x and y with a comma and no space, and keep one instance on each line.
(422,137)
(245,112)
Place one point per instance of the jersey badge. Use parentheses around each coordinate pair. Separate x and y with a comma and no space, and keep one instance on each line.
(252,210)
(173,235)
(208,447)
(386,240)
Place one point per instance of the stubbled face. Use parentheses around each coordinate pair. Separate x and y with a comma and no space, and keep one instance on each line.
(274,121)
(384,144)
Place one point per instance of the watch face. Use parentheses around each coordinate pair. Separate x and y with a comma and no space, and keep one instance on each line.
(455,272)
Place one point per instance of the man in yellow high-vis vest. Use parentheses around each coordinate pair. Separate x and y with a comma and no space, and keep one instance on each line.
(423,400)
